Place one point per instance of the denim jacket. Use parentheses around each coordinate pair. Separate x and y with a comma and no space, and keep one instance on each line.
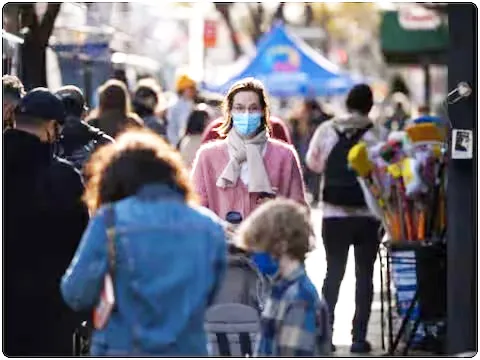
(170,259)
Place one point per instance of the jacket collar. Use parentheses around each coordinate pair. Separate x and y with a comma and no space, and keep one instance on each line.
(159,190)
(24,148)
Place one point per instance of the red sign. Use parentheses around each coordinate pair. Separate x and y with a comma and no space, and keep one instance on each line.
(418,18)
(210,34)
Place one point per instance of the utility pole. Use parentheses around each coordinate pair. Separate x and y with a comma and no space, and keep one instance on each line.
(462,248)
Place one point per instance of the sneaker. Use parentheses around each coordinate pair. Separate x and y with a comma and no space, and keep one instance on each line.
(361,347)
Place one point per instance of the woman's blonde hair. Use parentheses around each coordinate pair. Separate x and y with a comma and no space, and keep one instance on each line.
(278,226)
(247,84)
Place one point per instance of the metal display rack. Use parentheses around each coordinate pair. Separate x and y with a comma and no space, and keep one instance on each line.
(429,294)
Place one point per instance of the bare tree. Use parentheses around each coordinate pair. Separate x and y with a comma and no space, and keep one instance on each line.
(224,9)
(257,15)
(308,14)
(36,35)
(258,18)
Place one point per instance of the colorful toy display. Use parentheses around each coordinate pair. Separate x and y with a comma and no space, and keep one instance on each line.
(405,175)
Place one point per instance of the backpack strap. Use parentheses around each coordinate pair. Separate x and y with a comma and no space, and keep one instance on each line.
(360,132)
(357,135)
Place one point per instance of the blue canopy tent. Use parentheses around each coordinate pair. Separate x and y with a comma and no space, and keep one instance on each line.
(289,67)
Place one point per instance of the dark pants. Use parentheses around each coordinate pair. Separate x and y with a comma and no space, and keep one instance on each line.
(338,234)
(312,181)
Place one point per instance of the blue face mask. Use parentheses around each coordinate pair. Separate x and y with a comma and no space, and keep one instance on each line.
(246,123)
(265,263)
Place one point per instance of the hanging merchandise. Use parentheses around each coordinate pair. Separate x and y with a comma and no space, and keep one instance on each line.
(405,179)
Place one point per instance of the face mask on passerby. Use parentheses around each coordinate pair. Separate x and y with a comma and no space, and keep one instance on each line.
(265,263)
(246,123)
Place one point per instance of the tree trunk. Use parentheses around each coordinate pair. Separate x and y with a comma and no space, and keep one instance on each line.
(33,51)
(279,13)
(10,21)
(257,20)
(34,72)
(224,9)
(308,14)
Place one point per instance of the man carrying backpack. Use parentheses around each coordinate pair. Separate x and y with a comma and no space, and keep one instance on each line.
(346,218)
(78,140)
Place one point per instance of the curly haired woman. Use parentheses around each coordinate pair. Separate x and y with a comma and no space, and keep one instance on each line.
(169,254)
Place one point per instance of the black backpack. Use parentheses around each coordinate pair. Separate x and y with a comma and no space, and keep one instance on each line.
(340,186)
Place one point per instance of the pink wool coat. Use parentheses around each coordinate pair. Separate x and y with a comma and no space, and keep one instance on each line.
(281,163)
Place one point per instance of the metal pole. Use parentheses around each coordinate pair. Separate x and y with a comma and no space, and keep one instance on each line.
(428,83)
(462,280)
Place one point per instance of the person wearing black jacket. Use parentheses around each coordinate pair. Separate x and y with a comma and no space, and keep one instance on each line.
(78,139)
(44,219)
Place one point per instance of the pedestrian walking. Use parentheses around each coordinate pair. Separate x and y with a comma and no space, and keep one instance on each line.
(295,320)
(114,115)
(78,139)
(146,100)
(346,218)
(44,219)
(13,92)
(165,255)
(304,121)
(177,115)
(192,140)
(247,167)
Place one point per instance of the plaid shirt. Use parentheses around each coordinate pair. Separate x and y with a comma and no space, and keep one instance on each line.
(295,319)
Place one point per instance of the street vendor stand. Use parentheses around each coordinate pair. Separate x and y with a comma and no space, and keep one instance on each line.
(404,183)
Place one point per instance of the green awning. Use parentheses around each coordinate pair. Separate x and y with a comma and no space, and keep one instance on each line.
(412,46)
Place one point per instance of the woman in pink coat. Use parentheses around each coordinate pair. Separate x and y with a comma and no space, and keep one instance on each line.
(239,172)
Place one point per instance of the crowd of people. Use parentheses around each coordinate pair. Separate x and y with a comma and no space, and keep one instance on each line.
(153,218)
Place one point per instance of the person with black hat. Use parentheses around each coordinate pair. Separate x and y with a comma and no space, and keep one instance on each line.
(346,218)
(44,219)
(78,139)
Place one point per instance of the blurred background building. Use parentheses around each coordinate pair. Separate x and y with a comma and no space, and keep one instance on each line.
(213,41)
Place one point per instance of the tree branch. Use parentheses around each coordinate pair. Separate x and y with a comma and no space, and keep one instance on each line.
(257,20)
(11,13)
(28,17)
(308,14)
(48,22)
(224,9)
(279,13)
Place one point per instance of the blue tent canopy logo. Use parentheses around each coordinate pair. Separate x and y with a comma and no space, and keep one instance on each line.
(283,58)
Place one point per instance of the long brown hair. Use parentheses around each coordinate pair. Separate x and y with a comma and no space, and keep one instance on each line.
(138,158)
(247,84)
(113,95)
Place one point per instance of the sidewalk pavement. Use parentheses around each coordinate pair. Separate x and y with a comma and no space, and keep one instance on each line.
(316,269)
